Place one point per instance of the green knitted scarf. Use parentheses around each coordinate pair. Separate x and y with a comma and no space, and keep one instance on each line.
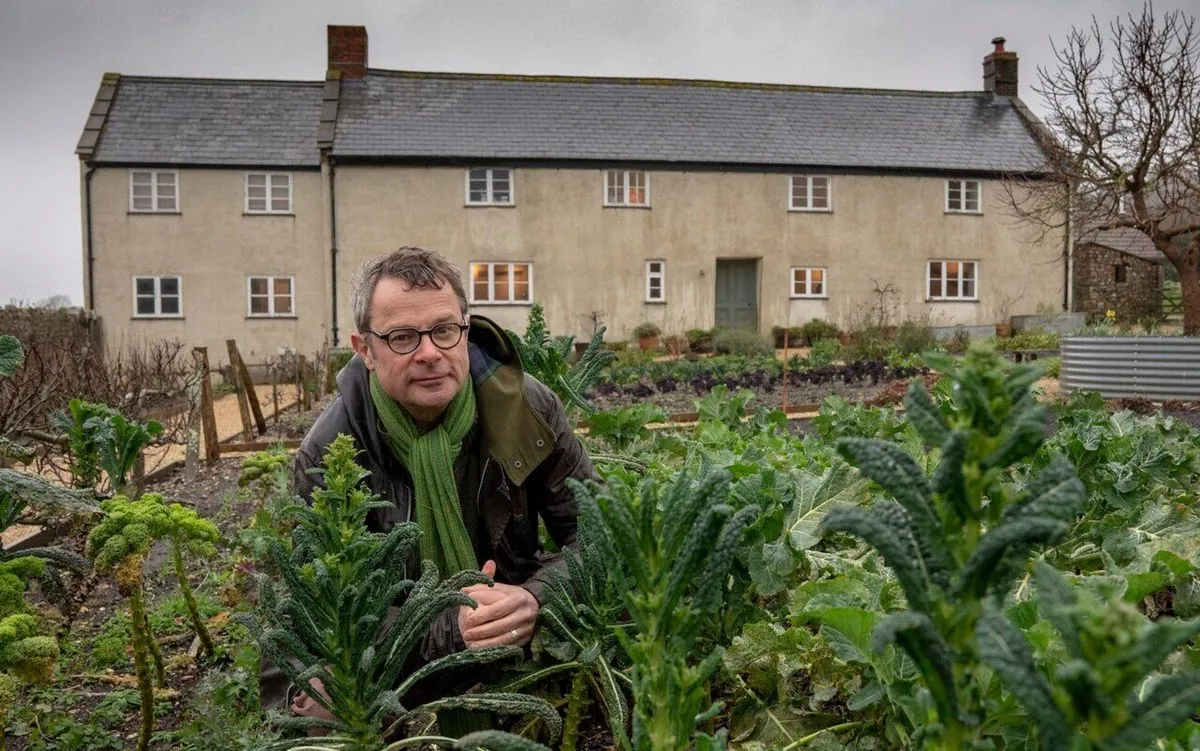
(429,458)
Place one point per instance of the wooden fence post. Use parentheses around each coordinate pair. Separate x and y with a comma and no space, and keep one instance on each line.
(302,394)
(236,361)
(240,389)
(785,369)
(212,449)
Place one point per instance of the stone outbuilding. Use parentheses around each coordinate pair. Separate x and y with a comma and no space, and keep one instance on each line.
(1118,270)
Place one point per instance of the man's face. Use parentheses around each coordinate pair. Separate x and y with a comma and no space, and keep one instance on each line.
(425,380)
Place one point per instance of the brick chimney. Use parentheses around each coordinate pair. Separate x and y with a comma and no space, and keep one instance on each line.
(348,50)
(1000,70)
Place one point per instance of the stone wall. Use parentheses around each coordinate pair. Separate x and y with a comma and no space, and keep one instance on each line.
(1097,285)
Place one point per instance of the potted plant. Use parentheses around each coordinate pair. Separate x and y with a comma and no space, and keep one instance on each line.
(647,336)
(1004,325)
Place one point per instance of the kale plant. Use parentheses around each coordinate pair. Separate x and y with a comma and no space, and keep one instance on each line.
(679,542)
(332,619)
(119,544)
(956,542)
(548,360)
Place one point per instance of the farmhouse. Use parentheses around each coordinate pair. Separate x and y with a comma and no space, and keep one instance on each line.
(219,209)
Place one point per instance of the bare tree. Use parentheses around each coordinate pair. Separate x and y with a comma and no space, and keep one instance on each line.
(1123,142)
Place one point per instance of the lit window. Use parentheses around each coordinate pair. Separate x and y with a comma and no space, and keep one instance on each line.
(810,193)
(501,283)
(154,191)
(626,188)
(157,297)
(952,280)
(808,282)
(268,193)
(656,277)
(489,187)
(962,196)
(270,296)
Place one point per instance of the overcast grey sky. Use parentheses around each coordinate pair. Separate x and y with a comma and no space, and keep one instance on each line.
(53,52)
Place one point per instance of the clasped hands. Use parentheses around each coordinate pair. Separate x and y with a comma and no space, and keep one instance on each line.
(505,616)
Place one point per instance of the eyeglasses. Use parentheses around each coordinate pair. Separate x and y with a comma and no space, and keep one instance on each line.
(405,340)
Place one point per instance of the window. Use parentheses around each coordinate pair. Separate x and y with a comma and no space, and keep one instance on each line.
(490,187)
(154,190)
(157,297)
(952,280)
(808,282)
(962,196)
(626,188)
(271,296)
(1120,272)
(499,283)
(656,277)
(810,193)
(268,193)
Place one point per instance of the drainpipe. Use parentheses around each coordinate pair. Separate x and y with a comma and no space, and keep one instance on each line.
(91,256)
(333,250)
(1068,260)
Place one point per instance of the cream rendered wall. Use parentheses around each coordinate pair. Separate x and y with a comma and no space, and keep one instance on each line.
(588,257)
(213,246)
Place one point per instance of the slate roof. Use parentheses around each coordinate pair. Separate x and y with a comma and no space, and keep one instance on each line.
(212,122)
(392,114)
(1127,240)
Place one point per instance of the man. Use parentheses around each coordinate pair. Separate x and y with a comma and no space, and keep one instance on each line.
(459,439)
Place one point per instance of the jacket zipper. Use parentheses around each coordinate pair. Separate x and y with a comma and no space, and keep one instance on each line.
(479,493)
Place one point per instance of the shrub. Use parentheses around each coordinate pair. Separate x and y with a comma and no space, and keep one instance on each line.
(817,329)
(824,352)
(646,329)
(741,342)
(700,340)
(795,336)
(915,337)
(870,343)
(959,342)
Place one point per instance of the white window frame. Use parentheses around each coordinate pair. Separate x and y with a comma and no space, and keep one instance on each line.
(155,198)
(269,180)
(808,194)
(271,312)
(491,267)
(962,197)
(624,187)
(490,198)
(808,283)
(944,297)
(158,296)
(661,276)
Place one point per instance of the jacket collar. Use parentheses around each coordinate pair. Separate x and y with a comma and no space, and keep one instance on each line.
(513,432)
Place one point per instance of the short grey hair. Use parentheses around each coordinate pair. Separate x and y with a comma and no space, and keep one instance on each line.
(421,268)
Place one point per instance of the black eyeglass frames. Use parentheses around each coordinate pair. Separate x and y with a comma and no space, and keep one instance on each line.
(404,340)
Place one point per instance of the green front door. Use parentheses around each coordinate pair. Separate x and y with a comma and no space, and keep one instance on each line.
(737,294)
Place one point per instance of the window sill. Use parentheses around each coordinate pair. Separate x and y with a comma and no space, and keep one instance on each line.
(514,303)
(156,318)
(154,213)
(963,213)
(287,317)
(808,297)
(952,299)
(644,207)
(269,213)
(656,302)
(489,205)
(793,210)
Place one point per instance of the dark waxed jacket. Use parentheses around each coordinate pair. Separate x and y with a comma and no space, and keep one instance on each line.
(512,469)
